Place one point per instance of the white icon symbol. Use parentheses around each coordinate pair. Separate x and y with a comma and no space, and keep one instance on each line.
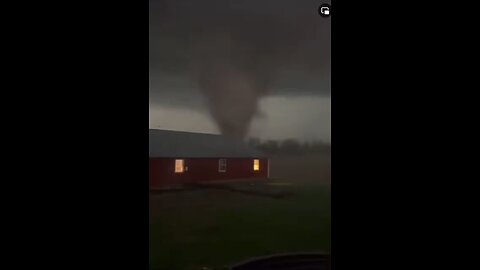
(325,11)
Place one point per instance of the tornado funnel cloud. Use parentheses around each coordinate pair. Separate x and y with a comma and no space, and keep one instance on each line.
(232,98)
(233,76)
(237,56)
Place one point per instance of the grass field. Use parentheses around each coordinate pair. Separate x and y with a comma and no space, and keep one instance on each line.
(214,228)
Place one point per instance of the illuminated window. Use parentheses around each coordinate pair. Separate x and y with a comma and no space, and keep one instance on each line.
(222,165)
(179,165)
(256,165)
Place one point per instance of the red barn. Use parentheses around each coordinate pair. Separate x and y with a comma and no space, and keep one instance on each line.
(184,157)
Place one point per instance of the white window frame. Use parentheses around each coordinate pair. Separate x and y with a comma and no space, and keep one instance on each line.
(224,160)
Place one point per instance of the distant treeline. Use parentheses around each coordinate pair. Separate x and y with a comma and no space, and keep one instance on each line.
(289,146)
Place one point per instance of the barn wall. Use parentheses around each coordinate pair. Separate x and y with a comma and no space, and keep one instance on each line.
(162,170)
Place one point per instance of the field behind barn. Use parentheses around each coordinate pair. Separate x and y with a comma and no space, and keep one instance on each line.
(214,228)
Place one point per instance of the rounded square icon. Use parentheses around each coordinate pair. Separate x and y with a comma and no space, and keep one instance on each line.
(324,10)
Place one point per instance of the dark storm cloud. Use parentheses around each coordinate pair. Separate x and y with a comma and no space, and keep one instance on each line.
(176,26)
(228,54)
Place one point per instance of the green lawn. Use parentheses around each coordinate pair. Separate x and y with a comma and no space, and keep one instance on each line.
(214,228)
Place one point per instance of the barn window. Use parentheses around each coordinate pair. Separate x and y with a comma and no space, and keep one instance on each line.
(179,165)
(256,164)
(222,165)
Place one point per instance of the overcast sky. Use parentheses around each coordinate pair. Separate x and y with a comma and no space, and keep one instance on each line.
(287,39)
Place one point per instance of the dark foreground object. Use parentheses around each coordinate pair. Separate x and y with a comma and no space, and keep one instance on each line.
(297,261)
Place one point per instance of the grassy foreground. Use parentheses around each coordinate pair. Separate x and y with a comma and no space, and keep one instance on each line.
(214,228)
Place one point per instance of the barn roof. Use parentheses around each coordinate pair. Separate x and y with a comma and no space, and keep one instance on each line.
(167,143)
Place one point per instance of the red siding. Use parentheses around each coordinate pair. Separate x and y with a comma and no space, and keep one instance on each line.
(162,170)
